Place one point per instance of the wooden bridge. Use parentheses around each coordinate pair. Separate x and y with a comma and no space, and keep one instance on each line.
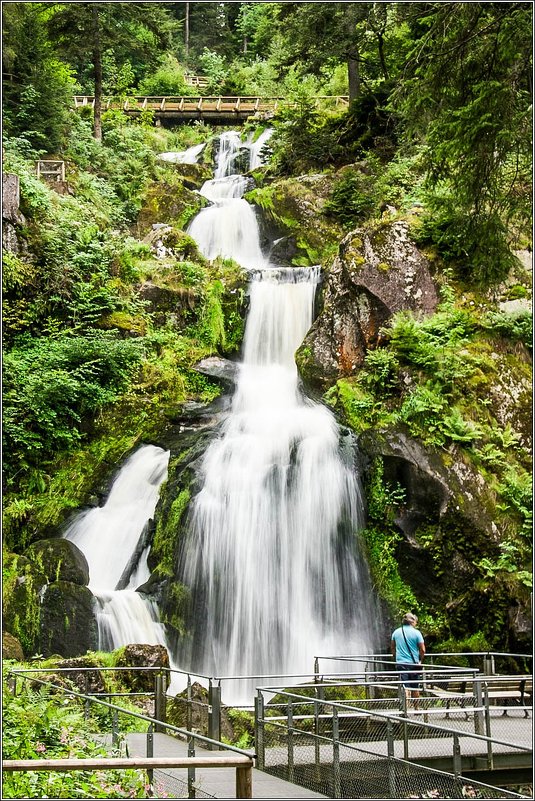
(214,109)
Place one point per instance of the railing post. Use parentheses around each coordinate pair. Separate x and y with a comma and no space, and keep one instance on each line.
(290,742)
(87,702)
(114,727)
(457,770)
(189,706)
(488,733)
(160,712)
(244,782)
(391,765)
(316,739)
(150,749)
(191,771)
(214,713)
(488,665)
(337,787)
(478,716)
(259,733)
(316,669)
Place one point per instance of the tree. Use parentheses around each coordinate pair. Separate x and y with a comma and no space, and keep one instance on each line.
(466,94)
(85,31)
(37,86)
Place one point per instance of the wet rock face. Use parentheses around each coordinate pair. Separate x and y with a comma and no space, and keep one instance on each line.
(68,622)
(59,559)
(377,273)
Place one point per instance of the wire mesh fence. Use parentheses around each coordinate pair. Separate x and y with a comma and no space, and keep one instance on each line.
(360,749)
(170,785)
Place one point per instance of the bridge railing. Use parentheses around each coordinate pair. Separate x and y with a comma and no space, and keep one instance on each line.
(199,103)
(356,749)
(22,679)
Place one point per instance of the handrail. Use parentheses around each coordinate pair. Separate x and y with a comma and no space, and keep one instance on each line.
(243,765)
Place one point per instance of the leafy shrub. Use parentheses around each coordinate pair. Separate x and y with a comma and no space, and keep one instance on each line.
(352,199)
(167,80)
(517,326)
(52,383)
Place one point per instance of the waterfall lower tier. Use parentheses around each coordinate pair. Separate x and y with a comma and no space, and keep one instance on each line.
(113,538)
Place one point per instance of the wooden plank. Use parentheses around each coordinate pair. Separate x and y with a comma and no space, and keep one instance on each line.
(146,763)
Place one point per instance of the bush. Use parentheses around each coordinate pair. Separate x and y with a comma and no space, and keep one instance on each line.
(167,80)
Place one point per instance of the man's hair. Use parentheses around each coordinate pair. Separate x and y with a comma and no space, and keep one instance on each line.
(410,618)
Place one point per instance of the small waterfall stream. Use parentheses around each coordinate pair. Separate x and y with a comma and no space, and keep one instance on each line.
(113,539)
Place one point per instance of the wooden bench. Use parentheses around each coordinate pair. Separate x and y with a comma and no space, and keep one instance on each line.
(518,689)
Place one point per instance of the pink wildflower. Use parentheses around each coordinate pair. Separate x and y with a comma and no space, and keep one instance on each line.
(40,747)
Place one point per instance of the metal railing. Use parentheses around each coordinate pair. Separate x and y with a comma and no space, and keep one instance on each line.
(355,749)
(155,724)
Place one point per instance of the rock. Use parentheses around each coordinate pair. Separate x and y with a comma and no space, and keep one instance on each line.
(519,306)
(21,600)
(142,655)
(168,201)
(197,719)
(86,681)
(59,559)
(10,241)
(378,271)
(224,370)
(168,240)
(68,623)
(169,304)
(11,647)
(11,199)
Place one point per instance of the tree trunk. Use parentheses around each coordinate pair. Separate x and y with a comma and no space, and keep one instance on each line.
(186,31)
(97,71)
(353,74)
(382,59)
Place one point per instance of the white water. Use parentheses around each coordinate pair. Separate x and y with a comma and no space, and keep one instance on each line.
(189,156)
(271,554)
(110,536)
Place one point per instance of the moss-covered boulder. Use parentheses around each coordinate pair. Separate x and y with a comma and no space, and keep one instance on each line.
(293,210)
(168,201)
(140,655)
(59,560)
(11,647)
(22,584)
(378,271)
(68,625)
(88,680)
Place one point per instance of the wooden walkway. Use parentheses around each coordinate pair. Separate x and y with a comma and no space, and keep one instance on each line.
(214,782)
(210,109)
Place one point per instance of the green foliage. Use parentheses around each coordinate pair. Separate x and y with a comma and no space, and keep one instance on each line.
(50,384)
(517,326)
(39,725)
(508,562)
(167,80)
(352,199)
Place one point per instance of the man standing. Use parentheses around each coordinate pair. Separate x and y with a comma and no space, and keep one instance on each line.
(408,649)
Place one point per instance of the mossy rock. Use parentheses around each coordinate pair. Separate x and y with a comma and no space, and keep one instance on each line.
(59,559)
(11,647)
(168,201)
(68,623)
(21,587)
(127,324)
(140,655)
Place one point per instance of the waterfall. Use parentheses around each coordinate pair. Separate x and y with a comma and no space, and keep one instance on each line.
(271,554)
(189,156)
(113,539)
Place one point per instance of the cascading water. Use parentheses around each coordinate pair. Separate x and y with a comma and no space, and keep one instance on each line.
(271,555)
(113,539)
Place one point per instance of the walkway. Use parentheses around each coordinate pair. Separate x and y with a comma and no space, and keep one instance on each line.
(212,782)
(210,109)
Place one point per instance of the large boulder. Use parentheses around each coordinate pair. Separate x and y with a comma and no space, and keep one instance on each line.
(11,647)
(22,587)
(68,623)
(59,559)
(140,655)
(378,271)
